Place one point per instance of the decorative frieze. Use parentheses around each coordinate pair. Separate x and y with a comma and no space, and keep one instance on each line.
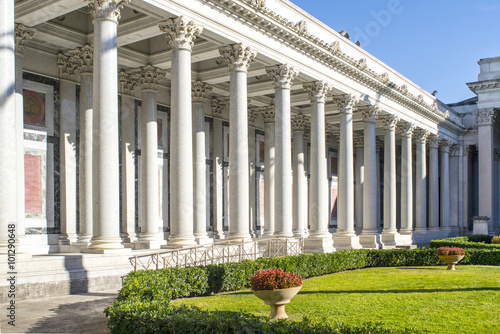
(106,9)
(282,75)
(300,122)
(238,56)
(485,116)
(317,90)
(180,32)
(200,90)
(23,35)
(406,129)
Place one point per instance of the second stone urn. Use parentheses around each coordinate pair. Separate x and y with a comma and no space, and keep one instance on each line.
(277,298)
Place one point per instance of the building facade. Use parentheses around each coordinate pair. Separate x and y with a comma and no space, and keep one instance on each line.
(148,124)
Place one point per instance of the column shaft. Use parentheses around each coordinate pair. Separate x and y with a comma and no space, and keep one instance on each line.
(445,188)
(406,185)
(299,186)
(390,231)
(421,184)
(485,134)
(433,185)
(359,175)
(345,221)
(269,177)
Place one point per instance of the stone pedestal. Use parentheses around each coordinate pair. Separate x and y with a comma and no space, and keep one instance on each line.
(480,225)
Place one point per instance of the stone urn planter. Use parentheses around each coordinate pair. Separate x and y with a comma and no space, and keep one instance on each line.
(450,256)
(451,260)
(277,298)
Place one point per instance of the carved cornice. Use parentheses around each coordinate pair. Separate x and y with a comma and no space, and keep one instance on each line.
(254,14)
(218,106)
(406,129)
(390,121)
(420,135)
(485,116)
(479,86)
(83,58)
(433,141)
(369,113)
(268,113)
(300,122)
(200,90)
(180,32)
(23,35)
(282,75)
(106,9)
(148,76)
(317,90)
(238,56)
(444,146)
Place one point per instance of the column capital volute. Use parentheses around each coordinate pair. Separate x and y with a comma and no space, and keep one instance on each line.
(180,32)
(390,121)
(268,113)
(406,129)
(485,116)
(420,135)
(148,77)
(23,35)
(238,56)
(300,122)
(67,69)
(282,75)
(127,84)
(359,141)
(456,150)
(346,103)
(369,113)
(200,90)
(83,58)
(433,141)
(444,146)
(218,106)
(317,90)
(252,116)
(106,9)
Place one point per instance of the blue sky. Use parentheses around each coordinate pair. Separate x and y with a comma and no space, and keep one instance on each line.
(434,43)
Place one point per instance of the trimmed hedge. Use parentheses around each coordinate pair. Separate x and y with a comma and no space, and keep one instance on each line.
(473,241)
(142,305)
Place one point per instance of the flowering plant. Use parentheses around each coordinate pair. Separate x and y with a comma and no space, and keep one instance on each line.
(495,239)
(270,279)
(450,251)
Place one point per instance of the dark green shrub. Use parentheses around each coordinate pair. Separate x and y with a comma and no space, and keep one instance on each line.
(472,241)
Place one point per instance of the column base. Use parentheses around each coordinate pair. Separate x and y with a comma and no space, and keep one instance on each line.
(421,230)
(67,239)
(267,235)
(106,246)
(346,241)
(404,240)
(128,238)
(370,241)
(434,229)
(284,235)
(300,234)
(389,239)
(179,242)
(319,244)
(204,240)
(240,237)
(149,244)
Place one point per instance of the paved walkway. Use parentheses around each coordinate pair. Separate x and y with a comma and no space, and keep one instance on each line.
(63,314)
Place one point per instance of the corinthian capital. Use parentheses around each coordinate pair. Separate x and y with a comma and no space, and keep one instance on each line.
(433,140)
(369,113)
(126,83)
(67,69)
(106,9)
(444,146)
(406,129)
(317,90)
(282,75)
(268,113)
(300,122)
(181,32)
(23,35)
(420,135)
(347,103)
(485,116)
(238,56)
(148,76)
(218,106)
(390,121)
(83,59)
(200,91)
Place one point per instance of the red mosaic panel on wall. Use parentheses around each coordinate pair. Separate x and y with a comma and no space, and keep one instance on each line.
(33,183)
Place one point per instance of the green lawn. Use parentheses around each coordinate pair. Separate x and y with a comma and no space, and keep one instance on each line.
(431,299)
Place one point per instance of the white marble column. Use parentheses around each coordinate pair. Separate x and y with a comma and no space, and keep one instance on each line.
(181,33)
(299,191)
(369,237)
(406,178)
(345,238)
(128,159)
(8,161)
(390,232)
(239,58)
(200,92)
(485,133)
(444,208)
(283,76)
(378,148)
(421,182)
(359,168)
(67,154)
(106,185)
(320,239)
(151,236)
(456,205)
(433,144)
(23,35)
(268,114)
(252,157)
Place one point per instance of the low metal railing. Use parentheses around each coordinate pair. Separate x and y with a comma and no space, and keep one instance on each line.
(217,253)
